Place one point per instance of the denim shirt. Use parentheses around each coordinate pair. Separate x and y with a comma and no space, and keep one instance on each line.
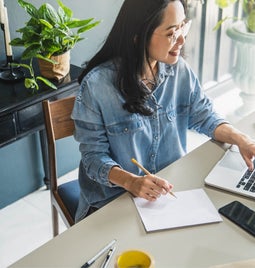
(110,136)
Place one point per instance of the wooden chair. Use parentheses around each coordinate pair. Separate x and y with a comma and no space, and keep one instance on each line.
(64,197)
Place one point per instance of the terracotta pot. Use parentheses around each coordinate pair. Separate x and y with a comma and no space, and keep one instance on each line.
(55,71)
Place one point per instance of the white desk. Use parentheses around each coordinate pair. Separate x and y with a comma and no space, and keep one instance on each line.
(198,246)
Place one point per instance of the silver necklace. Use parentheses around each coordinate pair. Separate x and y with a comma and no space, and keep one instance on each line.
(148,83)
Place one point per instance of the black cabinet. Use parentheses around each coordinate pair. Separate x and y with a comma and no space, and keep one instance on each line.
(7,128)
(21,111)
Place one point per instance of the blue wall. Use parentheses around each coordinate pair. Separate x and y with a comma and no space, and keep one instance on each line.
(21,162)
(21,169)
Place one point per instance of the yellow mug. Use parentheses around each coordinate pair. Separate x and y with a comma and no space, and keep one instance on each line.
(134,259)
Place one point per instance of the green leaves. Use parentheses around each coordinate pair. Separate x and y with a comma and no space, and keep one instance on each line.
(87,27)
(225,3)
(64,12)
(75,23)
(30,51)
(219,23)
(248,14)
(46,23)
(46,81)
(248,6)
(17,42)
(50,32)
(30,9)
(31,82)
(251,21)
(49,14)
(46,59)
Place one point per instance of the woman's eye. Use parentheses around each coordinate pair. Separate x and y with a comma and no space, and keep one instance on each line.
(170,35)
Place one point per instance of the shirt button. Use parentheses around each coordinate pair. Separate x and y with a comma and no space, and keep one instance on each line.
(156,137)
(126,129)
(153,155)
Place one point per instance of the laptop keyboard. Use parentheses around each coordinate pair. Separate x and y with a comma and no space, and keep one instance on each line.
(247,182)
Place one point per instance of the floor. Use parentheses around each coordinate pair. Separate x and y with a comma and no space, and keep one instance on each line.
(26,224)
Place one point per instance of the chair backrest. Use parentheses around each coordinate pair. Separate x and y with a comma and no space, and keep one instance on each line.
(58,118)
(58,124)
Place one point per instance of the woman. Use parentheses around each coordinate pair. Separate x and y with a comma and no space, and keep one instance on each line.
(137,99)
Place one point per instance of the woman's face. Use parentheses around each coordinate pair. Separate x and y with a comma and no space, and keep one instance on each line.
(162,46)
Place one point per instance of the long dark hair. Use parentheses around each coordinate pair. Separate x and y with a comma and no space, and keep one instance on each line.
(127,47)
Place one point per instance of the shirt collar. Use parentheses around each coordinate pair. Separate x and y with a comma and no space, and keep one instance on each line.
(166,70)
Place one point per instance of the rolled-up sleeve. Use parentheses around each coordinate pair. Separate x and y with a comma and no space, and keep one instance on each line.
(203,118)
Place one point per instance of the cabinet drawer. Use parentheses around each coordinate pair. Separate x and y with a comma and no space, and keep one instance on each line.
(7,128)
(30,117)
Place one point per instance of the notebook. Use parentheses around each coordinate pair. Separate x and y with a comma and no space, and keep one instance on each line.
(192,207)
(232,174)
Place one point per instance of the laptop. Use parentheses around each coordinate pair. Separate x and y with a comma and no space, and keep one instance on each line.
(232,174)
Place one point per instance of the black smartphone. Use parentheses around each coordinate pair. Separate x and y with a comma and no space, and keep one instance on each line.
(241,215)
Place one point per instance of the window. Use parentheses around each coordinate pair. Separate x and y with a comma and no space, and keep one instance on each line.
(210,53)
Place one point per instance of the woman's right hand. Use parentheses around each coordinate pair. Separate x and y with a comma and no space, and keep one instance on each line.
(149,187)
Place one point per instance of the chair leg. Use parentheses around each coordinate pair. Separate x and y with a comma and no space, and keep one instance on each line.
(55,221)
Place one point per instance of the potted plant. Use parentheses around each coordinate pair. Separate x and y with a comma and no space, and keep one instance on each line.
(242,32)
(247,14)
(49,35)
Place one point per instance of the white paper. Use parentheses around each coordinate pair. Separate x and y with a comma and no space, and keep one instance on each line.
(191,207)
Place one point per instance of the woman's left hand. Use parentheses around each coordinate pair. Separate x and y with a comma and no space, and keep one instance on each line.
(227,133)
(247,150)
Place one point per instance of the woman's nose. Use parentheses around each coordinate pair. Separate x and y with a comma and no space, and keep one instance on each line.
(181,39)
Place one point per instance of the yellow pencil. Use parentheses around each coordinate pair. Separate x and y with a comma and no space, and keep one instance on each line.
(147,172)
